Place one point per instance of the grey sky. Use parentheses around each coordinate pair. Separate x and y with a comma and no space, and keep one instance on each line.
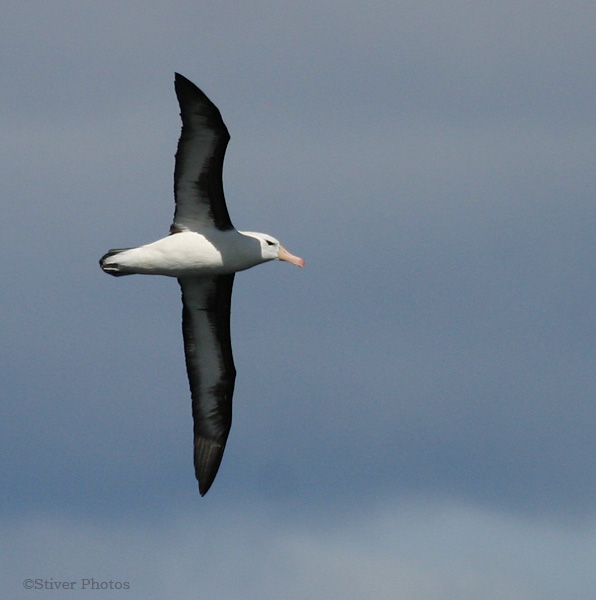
(413,408)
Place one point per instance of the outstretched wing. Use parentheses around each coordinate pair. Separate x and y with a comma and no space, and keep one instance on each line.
(210,366)
(198,185)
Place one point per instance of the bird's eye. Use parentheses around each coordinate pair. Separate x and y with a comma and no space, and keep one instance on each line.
(270,243)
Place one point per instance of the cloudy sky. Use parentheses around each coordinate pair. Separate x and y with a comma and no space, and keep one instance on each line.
(414,410)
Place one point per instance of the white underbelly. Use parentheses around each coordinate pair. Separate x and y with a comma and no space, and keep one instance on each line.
(177,255)
(186,254)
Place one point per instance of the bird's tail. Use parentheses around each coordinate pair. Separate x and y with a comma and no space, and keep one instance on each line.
(110,265)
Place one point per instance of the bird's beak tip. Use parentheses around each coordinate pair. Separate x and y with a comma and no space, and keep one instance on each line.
(283,254)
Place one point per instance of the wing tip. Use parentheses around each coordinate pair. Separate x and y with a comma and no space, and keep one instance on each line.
(180,80)
(207,459)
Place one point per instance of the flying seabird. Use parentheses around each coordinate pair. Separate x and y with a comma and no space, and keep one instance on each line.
(204,251)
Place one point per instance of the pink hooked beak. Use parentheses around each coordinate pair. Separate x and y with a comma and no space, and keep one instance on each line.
(283,254)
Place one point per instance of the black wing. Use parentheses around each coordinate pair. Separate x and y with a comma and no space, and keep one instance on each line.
(198,185)
(210,366)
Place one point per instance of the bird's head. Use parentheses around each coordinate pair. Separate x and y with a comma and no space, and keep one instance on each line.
(271,249)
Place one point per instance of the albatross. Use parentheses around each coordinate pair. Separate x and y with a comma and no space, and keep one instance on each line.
(203,251)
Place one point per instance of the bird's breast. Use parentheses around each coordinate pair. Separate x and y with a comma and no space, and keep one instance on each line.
(189,253)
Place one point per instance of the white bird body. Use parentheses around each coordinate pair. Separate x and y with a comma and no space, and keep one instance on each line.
(190,253)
